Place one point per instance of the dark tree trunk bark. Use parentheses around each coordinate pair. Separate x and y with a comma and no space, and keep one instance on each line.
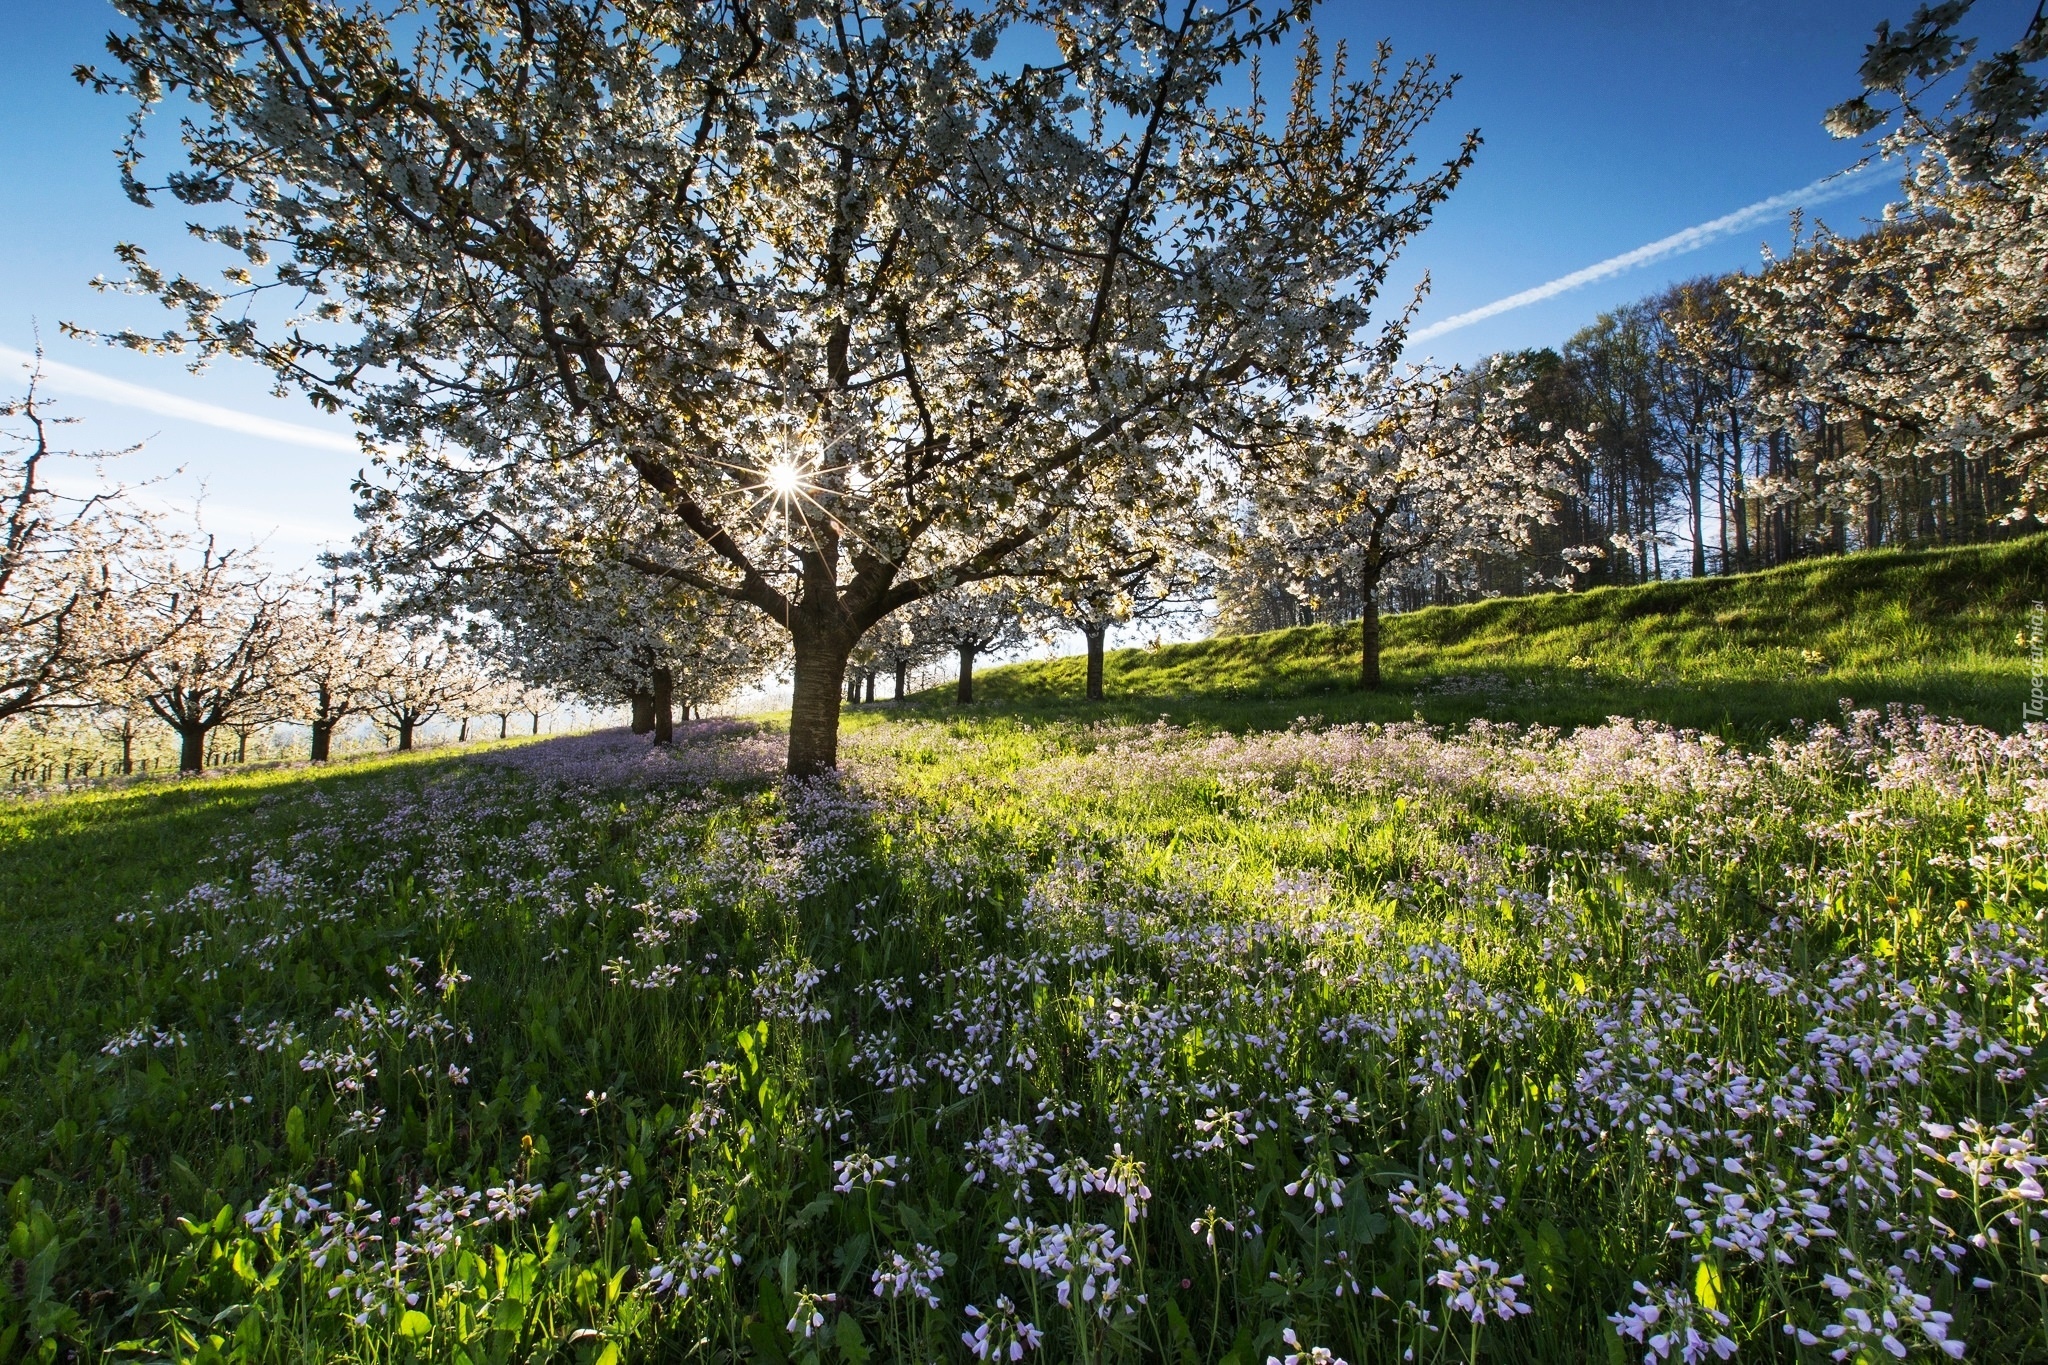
(323,740)
(965,693)
(902,680)
(643,712)
(127,749)
(1721,497)
(819,676)
(536,722)
(664,706)
(1697,475)
(405,735)
(870,689)
(1369,635)
(1741,502)
(192,749)
(1095,636)
(462,735)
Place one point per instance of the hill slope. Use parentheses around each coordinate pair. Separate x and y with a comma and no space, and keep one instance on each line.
(1943,628)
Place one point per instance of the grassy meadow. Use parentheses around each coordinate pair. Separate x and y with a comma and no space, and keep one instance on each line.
(1050,1033)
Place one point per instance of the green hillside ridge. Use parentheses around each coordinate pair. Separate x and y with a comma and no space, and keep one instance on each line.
(1940,628)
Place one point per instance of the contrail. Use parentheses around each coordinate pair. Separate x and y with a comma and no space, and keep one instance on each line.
(86,384)
(1821,191)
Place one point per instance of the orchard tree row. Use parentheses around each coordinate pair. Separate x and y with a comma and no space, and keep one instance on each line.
(685,337)
(115,620)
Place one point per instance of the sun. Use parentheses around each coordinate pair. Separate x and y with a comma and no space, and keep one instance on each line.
(782,479)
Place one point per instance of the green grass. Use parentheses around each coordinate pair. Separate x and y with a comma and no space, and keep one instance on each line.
(1937,628)
(1556,994)
(65,858)
(1382,955)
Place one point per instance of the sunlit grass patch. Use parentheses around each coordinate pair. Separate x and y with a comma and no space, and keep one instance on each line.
(1941,628)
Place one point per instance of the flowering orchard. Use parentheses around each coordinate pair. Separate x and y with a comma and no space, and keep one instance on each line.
(1353,1043)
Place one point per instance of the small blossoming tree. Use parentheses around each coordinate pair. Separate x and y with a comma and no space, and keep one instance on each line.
(1394,469)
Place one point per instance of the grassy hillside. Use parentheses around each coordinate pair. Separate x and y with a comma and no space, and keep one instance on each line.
(1941,628)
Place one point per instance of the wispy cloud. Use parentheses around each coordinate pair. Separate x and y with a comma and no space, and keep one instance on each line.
(1821,191)
(80,383)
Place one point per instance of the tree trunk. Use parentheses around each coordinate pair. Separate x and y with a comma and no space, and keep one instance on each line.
(405,735)
(192,749)
(664,706)
(242,746)
(127,748)
(1369,635)
(1740,498)
(1721,497)
(462,735)
(965,694)
(323,739)
(1095,635)
(902,679)
(504,725)
(819,677)
(643,712)
(870,684)
(536,722)
(1697,475)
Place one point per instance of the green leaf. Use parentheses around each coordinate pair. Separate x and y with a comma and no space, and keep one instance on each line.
(763,1338)
(295,1134)
(852,1344)
(1706,1285)
(814,1210)
(1182,1337)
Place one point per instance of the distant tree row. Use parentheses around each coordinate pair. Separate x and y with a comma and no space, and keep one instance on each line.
(970,622)
(112,618)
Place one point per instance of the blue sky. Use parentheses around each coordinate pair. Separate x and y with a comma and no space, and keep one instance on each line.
(1607,126)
